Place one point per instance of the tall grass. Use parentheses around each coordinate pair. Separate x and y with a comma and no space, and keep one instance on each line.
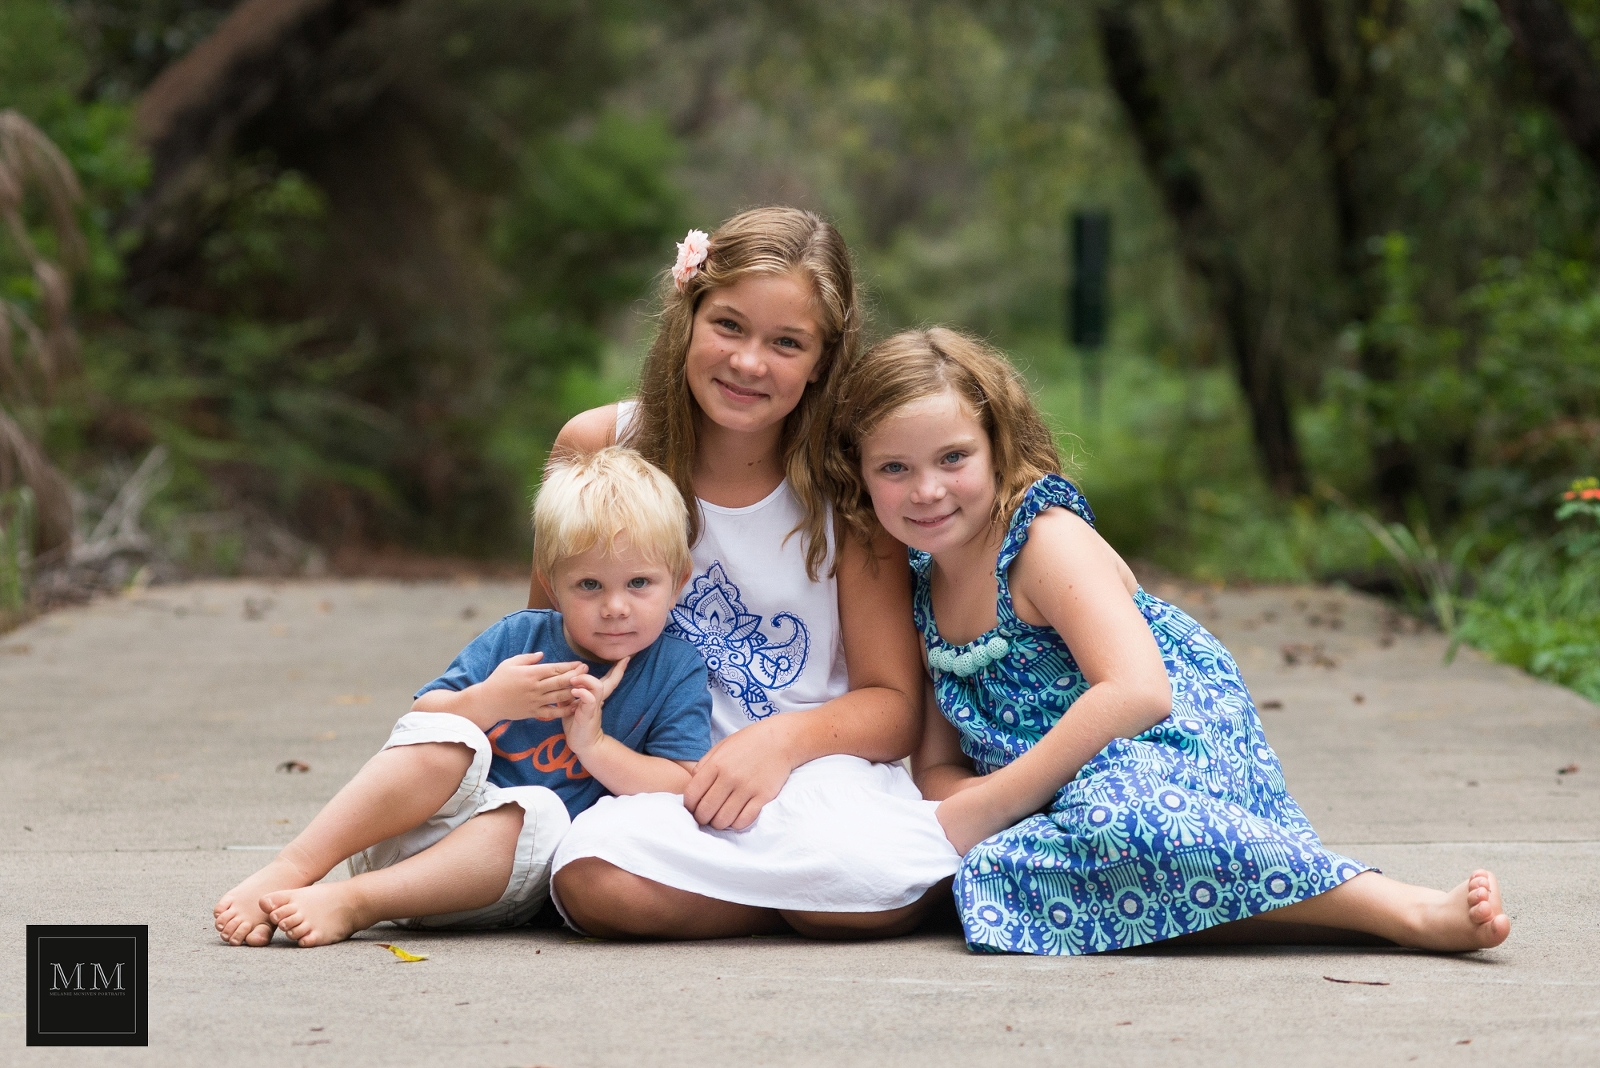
(1537,604)
(17,520)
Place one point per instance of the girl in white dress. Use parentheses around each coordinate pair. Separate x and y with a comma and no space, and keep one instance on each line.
(799,815)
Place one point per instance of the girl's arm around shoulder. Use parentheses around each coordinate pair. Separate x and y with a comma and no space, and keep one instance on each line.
(1069,579)
(588,431)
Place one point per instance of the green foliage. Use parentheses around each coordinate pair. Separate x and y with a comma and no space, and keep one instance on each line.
(381,344)
(1499,395)
(1538,603)
(16,539)
(588,226)
(1169,470)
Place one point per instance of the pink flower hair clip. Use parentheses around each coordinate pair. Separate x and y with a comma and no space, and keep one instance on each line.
(692,252)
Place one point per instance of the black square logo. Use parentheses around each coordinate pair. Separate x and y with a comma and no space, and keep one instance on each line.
(86,985)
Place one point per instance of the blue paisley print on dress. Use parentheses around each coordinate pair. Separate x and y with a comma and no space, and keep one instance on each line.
(744,661)
(1184,827)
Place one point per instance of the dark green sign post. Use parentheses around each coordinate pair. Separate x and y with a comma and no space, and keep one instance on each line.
(1089,298)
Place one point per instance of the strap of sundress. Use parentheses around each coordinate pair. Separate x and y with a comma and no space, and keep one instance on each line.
(921,607)
(1051,491)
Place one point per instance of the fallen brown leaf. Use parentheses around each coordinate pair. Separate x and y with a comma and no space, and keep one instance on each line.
(294,766)
(1570,769)
(1356,982)
(1271,704)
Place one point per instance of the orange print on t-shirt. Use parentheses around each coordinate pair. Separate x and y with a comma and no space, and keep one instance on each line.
(552,754)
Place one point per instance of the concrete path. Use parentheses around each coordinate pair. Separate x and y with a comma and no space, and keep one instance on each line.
(139,740)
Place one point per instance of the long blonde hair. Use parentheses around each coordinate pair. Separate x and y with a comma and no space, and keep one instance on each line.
(760,241)
(915,364)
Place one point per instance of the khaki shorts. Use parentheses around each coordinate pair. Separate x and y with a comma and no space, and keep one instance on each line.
(544,824)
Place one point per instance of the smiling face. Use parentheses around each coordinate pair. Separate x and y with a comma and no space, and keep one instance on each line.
(612,604)
(754,347)
(930,472)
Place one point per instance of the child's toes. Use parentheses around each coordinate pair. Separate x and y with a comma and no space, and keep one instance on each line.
(259,935)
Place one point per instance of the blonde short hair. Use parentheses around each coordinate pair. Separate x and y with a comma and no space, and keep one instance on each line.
(600,497)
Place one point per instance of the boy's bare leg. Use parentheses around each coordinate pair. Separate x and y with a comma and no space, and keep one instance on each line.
(608,902)
(1469,917)
(468,869)
(396,790)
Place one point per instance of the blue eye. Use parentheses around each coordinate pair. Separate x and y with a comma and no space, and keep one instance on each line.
(894,467)
(589,584)
(788,342)
(953,457)
(638,583)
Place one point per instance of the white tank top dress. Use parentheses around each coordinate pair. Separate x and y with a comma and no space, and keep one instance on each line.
(844,834)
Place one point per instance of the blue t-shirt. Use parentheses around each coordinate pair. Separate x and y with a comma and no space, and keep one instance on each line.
(661,707)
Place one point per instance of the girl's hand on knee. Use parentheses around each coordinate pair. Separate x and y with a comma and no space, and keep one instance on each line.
(736,779)
(967,819)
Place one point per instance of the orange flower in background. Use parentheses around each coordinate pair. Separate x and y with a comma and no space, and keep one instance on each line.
(1583,489)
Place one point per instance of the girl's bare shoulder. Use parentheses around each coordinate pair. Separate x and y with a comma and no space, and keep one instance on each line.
(1060,544)
(589,431)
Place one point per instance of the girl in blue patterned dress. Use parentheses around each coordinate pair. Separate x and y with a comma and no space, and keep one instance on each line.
(1098,759)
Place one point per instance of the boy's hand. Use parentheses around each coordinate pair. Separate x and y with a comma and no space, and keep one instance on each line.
(523,687)
(581,720)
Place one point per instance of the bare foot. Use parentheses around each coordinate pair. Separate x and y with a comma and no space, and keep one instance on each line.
(316,915)
(240,919)
(1467,918)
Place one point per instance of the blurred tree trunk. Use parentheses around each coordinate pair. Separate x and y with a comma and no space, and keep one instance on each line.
(1563,69)
(266,55)
(1345,101)
(1204,244)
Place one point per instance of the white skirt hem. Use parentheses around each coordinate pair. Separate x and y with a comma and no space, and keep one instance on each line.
(844,835)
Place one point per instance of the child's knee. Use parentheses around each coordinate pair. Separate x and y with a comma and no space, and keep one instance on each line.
(503,822)
(432,761)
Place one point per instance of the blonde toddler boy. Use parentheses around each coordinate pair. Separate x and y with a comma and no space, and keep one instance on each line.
(454,822)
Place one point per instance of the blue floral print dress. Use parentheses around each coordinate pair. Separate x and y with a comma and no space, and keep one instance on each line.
(1183,827)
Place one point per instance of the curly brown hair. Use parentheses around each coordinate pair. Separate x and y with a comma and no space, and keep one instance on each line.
(915,364)
(774,240)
